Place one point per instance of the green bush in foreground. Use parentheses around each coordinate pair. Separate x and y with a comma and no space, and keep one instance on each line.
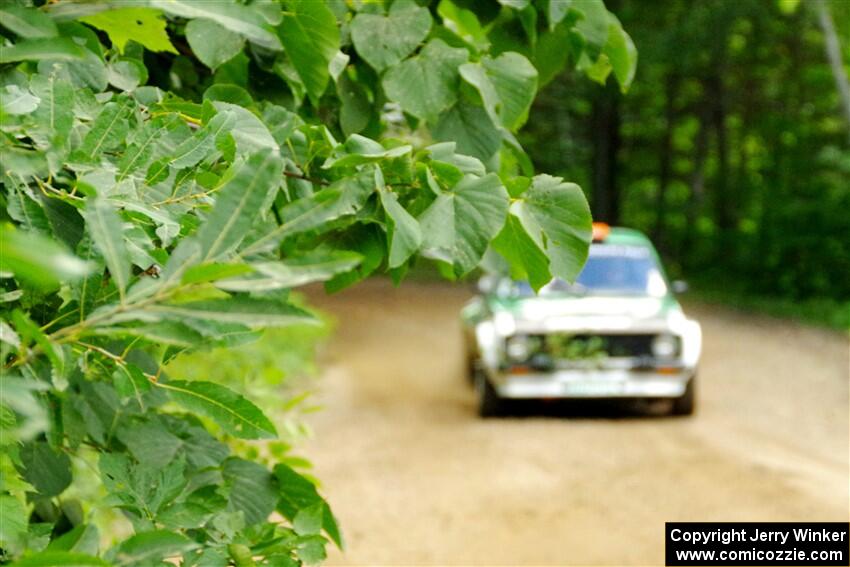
(170,169)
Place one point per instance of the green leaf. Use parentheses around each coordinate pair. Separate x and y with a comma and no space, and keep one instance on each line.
(60,559)
(297,493)
(238,205)
(471,128)
(308,521)
(427,84)
(83,538)
(515,4)
(212,43)
(54,116)
(247,311)
(248,131)
(556,216)
(107,232)
(14,524)
(245,20)
(47,470)
(213,272)
(150,442)
(344,197)
(400,32)
(403,230)
(252,490)
(14,100)
(460,223)
(507,86)
(310,36)
(358,150)
(53,263)
(527,261)
(27,22)
(150,548)
(202,144)
(108,130)
(126,74)
(556,10)
(621,53)
(593,26)
(58,48)
(235,414)
(314,267)
(355,111)
(142,25)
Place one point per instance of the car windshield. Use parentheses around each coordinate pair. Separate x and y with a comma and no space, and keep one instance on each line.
(610,269)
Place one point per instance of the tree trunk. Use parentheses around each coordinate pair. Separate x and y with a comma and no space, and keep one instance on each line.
(605,198)
(833,55)
(665,161)
(723,215)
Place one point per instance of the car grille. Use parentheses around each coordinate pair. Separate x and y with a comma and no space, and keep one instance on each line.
(561,346)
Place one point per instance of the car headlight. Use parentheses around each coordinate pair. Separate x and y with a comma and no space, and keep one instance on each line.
(665,346)
(518,348)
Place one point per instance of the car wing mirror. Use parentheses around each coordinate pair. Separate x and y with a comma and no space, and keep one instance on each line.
(487,283)
(679,286)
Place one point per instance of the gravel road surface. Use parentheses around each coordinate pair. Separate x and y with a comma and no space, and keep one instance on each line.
(417,479)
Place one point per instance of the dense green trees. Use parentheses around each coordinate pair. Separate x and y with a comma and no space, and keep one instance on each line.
(731,148)
(171,169)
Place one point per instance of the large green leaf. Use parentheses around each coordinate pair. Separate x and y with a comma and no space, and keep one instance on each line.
(235,414)
(52,264)
(460,223)
(427,84)
(507,85)
(557,218)
(310,36)
(213,43)
(142,25)
(26,22)
(107,232)
(238,204)
(244,20)
(55,48)
(383,41)
(314,267)
(471,128)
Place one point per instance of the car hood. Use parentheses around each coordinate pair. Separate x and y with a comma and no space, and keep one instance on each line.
(618,310)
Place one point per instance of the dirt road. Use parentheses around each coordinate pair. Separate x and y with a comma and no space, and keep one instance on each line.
(416,478)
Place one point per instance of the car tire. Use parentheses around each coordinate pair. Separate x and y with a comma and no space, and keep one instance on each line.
(686,403)
(489,402)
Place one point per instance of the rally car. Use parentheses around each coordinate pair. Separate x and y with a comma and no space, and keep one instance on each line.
(616,332)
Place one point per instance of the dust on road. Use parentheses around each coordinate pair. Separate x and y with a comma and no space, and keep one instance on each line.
(416,478)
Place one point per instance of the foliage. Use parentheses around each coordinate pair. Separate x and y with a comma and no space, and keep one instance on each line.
(171,169)
(730,150)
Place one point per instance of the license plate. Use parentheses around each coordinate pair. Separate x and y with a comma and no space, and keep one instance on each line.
(592,388)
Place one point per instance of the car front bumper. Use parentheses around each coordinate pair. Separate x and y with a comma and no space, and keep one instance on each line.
(584,383)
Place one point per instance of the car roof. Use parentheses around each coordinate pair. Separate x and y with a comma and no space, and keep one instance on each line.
(622,235)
